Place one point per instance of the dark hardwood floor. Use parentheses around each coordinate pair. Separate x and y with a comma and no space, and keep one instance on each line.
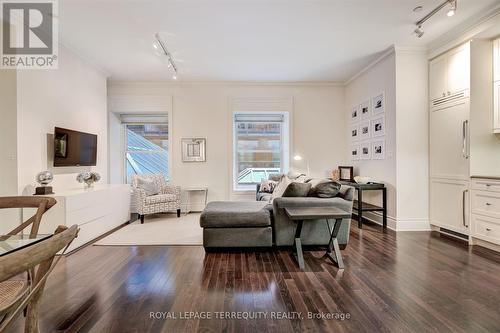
(409,282)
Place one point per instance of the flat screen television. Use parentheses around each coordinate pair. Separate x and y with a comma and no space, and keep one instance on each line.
(73,148)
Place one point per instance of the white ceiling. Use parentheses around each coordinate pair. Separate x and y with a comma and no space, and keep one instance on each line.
(248,40)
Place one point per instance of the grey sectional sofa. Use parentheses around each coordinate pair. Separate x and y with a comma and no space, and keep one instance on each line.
(263,224)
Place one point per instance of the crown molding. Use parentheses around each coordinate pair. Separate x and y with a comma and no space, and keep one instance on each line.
(180,83)
(386,53)
(84,59)
(464,32)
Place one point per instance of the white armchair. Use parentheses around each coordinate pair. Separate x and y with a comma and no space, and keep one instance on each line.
(168,198)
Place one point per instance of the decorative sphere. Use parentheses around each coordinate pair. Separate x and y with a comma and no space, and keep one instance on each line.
(44,178)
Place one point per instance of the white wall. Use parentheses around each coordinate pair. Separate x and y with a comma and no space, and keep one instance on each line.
(402,75)
(73,96)
(412,140)
(8,136)
(381,77)
(203,110)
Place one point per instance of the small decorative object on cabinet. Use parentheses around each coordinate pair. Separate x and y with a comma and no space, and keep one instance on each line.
(89,178)
(193,150)
(44,178)
(346,173)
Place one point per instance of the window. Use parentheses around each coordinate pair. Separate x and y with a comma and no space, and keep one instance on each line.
(147,141)
(260,147)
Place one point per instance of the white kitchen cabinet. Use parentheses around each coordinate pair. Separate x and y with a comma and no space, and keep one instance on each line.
(496,107)
(449,73)
(485,209)
(496,60)
(449,204)
(449,137)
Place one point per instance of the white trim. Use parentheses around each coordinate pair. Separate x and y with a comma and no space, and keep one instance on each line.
(464,32)
(386,53)
(413,224)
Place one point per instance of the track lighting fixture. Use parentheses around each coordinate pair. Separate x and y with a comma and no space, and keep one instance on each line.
(419,32)
(159,44)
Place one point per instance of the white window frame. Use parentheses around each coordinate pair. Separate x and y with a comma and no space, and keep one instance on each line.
(145,119)
(285,145)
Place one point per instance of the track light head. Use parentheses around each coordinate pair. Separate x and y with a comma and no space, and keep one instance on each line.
(419,32)
(453,8)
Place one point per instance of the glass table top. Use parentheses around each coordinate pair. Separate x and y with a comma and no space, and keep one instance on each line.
(9,244)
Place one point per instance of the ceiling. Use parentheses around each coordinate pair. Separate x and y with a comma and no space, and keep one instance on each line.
(248,40)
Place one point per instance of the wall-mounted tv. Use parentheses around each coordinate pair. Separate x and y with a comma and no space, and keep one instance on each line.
(73,148)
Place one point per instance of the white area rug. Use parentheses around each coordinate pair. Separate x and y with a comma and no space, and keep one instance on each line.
(161,229)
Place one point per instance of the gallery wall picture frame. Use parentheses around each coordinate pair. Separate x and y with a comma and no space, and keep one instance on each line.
(346,173)
(354,133)
(355,114)
(378,149)
(377,126)
(378,104)
(364,110)
(364,130)
(354,152)
(365,149)
(193,149)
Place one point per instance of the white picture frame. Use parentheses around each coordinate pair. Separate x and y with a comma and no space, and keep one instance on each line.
(355,114)
(354,133)
(354,152)
(364,130)
(364,110)
(377,126)
(378,149)
(193,149)
(378,104)
(365,149)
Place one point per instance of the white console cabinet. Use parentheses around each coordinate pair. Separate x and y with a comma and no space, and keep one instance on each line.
(96,211)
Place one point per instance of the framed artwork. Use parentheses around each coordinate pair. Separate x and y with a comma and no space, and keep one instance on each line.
(193,150)
(365,150)
(354,114)
(378,126)
(378,149)
(354,152)
(378,104)
(364,110)
(354,133)
(346,173)
(364,130)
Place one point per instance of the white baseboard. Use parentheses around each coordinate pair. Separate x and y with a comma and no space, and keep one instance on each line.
(400,224)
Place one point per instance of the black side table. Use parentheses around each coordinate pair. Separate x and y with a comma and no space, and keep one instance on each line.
(359,206)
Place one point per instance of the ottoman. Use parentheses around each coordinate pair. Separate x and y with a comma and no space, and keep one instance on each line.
(236,224)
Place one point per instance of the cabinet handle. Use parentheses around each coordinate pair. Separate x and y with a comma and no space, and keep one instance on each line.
(488,185)
(488,204)
(465,126)
(488,229)
(463,208)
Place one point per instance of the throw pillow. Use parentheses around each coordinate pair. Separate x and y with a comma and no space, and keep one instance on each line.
(281,187)
(325,189)
(147,185)
(292,174)
(276,177)
(268,186)
(297,189)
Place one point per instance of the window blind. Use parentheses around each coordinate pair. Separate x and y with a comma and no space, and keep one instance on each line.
(144,118)
(261,117)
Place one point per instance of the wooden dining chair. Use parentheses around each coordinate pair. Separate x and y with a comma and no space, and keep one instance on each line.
(41,203)
(17,295)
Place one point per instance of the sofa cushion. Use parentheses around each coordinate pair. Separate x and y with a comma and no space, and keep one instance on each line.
(281,187)
(327,189)
(225,214)
(262,196)
(159,198)
(297,189)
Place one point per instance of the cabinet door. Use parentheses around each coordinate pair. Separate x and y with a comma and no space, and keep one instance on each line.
(496,59)
(458,70)
(448,146)
(449,204)
(496,107)
(437,78)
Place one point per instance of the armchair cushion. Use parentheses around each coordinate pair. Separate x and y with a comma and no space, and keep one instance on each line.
(148,185)
(160,198)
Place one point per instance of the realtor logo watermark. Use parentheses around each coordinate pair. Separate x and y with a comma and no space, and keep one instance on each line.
(29,34)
